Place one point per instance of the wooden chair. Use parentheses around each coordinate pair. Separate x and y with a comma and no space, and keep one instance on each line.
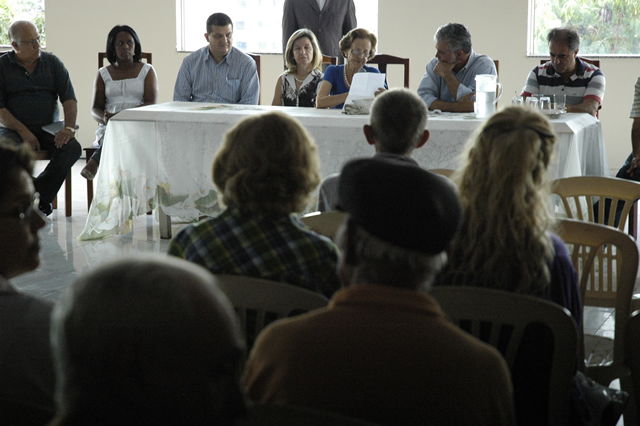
(497,64)
(88,152)
(606,260)
(595,62)
(442,172)
(329,60)
(295,415)
(256,58)
(501,319)
(383,60)
(44,155)
(259,302)
(580,194)
(326,223)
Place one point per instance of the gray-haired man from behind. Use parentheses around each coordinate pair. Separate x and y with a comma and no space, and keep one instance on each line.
(382,350)
(397,126)
(148,340)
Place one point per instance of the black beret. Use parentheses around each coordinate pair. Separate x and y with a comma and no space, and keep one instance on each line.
(400,203)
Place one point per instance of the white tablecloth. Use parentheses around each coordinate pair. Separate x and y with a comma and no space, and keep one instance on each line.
(161,155)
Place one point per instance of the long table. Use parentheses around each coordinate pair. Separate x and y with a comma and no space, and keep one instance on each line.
(161,156)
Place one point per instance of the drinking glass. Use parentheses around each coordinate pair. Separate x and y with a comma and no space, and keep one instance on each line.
(560,102)
(533,102)
(545,103)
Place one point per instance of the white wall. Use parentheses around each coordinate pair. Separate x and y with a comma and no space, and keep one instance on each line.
(77,30)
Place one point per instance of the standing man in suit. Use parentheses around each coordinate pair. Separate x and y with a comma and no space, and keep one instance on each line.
(328,19)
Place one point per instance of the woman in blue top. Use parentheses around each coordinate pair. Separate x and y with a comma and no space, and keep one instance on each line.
(358,46)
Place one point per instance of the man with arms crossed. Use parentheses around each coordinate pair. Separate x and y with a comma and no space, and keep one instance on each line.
(383,350)
(450,81)
(218,72)
(31,82)
(566,73)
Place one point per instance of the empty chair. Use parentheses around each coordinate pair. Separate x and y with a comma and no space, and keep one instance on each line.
(502,319)
(589,198)
(383,60)
(256,58)
(329,60)
(606,260)
(259,302)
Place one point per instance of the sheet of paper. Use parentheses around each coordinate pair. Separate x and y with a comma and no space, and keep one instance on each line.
(364,86)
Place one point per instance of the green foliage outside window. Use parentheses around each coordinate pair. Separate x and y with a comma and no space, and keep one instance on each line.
(606,27)
(11,10)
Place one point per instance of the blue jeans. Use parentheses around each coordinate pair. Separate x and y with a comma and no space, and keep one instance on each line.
(48,183)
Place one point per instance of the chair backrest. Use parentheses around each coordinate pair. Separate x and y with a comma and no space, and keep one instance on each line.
(103,55)
(501,319)
(259,302)
(606,260)
(590,198)
(595,62)
(330,60)
(443,172)
(294,415)
(497,64)
(256,58)
(383,60)
(325,223)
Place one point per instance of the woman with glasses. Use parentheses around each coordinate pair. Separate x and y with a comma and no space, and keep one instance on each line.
(26,368)
(357,47)
(298,85)
(126,82)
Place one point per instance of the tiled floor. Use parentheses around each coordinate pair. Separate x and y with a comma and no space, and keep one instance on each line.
(64,257)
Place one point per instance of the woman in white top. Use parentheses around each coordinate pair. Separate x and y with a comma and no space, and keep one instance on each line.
(125,83)
(298,85)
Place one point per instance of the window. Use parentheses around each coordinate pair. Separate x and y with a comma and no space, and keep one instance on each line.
(261,29)
(14,10)
(606,27)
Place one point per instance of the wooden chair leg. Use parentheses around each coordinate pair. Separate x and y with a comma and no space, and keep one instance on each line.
(67,195)
(89,190)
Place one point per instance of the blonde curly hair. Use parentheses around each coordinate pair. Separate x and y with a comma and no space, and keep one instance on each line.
(503,243)
(267,164)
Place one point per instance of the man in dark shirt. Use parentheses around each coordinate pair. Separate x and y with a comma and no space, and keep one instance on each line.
(31,82)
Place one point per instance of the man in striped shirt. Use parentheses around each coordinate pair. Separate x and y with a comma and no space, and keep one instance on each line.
(218,72)
(566,73)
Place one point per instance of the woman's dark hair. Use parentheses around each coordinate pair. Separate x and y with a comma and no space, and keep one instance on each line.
(111,43)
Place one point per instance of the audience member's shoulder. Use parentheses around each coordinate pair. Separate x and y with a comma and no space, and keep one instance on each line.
(559,247)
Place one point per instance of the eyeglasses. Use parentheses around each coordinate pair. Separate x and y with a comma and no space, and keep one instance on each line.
(24,213)
(356,52)
(31,42)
